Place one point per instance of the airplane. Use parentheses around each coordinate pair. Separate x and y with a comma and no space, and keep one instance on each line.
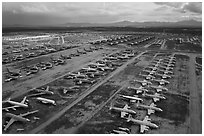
(153,68)
(156,97)
(19,117)
(131,98)
(159,88)
(168,64)
(139,90)
(15,104)
(14,74)
(123,57)
(124,111)
(88,50)
(90,69)
(144,82)
(151,72)
(65,57)
(150,109)
(147,76)
(81,81)
(81,52)
(165,71)
(42,92)
(162,81)
(10,78)
(32,70)
(144,124)
(47,65)
(46,101)
(110,58)
(164,76)
(58,61)
(121,131)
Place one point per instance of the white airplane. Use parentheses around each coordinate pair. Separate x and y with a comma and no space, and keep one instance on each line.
(124,111)
(147,76)
(19,117)
(162,81)
(16,104)
(164,76)
(153,68)
(90,69)
(144,82)
(156,97)
(121,130)
(159,88)
(151,72)
(144,124)
(46,101)
(41,91)
(165,71)
(139,90)
(131,98)
(150,108)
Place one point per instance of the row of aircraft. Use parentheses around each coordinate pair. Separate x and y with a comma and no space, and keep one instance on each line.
(14,105)
(11,75)
(127,113)
(36,93)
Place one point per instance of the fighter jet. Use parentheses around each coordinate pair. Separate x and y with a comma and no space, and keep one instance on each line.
(124,111)
(162,81)
(159,88)
(156,97)
(139,90)
(15,104)
(144,82)
(19,117)
(90,69)
(144,124)
(46,101)
(150,109)
(151,72)
(131,98)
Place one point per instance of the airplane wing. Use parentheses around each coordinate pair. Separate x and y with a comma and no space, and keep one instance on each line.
(143,128)
(156,99)
(28,113)
(150,111)
(11,107)
(9,123)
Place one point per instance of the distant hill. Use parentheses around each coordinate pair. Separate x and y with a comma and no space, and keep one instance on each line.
(185,23)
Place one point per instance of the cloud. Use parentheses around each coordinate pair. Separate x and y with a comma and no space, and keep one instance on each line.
(183,7)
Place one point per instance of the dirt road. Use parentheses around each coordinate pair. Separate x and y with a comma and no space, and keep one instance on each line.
(195,105)
(57,115)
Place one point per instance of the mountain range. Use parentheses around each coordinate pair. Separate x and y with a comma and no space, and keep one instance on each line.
(184,23)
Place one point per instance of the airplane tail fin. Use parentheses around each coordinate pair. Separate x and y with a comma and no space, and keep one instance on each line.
(47,89)
(24,99)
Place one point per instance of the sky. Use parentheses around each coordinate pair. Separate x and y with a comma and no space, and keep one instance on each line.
(52,13)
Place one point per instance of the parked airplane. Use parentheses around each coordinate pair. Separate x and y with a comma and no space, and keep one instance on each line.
(165,71)
(65,57)
(150,109)
(46,101)
(164,76)
(19,117)
(16,104)
(47,65)
(90,69)
(14,74)
(81,52)
(147,76)
(32,70)
(144,124)
(144,82)
(124,111)
(162,81)
(139,90)
(151,72)
(41,92)
(131,98)
(156,97)
(159,88)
